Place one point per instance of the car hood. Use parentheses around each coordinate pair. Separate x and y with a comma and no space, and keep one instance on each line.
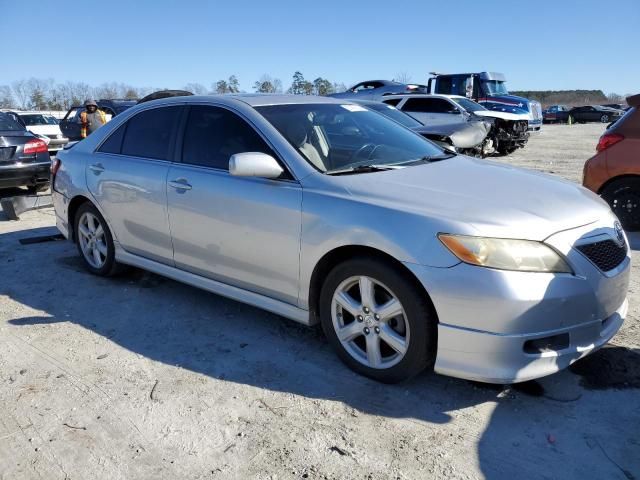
(477,197)
(502,115)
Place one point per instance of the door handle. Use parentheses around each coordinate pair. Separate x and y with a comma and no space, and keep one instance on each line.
(96,168)
(180,184)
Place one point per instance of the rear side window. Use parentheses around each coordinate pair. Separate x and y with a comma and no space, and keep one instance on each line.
(113,144)
(213,134)
(149,134)
(432,105)
(393,102)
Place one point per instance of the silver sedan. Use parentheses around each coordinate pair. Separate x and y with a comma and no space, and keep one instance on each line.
(320,210)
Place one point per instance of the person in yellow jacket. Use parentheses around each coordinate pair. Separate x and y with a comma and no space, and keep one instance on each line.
(91,119)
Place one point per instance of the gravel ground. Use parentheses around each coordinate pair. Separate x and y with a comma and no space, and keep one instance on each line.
(140,377)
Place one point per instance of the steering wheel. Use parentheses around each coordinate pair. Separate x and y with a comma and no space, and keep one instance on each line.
(358,152)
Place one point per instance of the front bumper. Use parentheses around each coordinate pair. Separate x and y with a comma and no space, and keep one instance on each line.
(494,358)
(489,319)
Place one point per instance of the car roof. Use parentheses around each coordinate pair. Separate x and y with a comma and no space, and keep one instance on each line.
(423,95)
(255,99)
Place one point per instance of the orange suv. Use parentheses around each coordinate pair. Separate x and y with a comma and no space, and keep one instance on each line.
(614,172)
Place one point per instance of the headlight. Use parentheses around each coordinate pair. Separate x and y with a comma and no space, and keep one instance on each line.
(505,254)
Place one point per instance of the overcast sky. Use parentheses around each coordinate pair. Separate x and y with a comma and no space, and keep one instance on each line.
(537,44)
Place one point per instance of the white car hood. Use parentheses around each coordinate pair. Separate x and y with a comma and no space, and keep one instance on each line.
(502,115)
(45,129)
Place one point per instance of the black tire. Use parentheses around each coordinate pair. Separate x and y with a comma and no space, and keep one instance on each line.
(623,196)
(110,267)
(42,187)
(506,149)
(604,118)
(422,323)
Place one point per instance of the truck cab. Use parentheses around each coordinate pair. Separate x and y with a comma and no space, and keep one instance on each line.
(490,90)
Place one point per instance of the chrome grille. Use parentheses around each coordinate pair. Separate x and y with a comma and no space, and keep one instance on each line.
(606,255)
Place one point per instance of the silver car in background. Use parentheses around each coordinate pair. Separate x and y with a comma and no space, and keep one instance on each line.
(320,210)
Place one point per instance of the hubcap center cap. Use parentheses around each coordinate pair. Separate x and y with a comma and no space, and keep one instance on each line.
(369,321)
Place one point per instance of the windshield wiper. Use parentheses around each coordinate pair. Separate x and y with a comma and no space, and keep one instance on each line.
(430,158)
(361,169)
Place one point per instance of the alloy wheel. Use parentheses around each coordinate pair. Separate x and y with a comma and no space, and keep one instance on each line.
(370,322)
(91,237)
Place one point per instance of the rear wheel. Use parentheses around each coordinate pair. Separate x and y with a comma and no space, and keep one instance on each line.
(623,196)
(604,118)
(94,241)
(379,323)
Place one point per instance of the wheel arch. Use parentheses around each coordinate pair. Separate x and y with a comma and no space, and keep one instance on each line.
(616,179)
(338,255)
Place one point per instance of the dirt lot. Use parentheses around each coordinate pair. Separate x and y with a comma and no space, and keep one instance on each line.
(140,377)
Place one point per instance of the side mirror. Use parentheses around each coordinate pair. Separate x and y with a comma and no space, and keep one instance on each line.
(254,164)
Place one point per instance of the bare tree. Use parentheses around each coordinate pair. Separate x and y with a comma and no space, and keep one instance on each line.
(615,98)
(20,90)
(6,97)
(196,88)
(403,77)
(266,84)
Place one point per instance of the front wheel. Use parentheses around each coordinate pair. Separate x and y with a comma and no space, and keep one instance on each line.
(94,241)
(623,196)
(377,320)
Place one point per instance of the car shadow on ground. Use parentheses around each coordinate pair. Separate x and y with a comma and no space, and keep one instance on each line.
(178,325)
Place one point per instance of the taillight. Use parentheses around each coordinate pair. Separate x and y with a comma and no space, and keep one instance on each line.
(607,140)
(55,166)
(35,146)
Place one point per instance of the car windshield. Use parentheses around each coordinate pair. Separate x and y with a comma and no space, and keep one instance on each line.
(334,137)
(8,124)
(38,119)
(468,105)
(395,114)
(495,87)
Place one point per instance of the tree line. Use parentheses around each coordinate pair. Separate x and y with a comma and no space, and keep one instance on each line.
(46,94)
(570,97)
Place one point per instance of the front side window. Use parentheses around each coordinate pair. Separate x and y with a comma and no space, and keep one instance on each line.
(333,136)
(213,134)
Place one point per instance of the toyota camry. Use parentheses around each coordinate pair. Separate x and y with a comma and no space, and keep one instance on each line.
(409,256)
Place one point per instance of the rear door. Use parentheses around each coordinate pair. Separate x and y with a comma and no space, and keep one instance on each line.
(238,230)
(432,111)
(127,176)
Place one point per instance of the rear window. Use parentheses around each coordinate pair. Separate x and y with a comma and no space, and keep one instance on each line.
(626,118)
(38,119)
(8,124)
(149,133)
